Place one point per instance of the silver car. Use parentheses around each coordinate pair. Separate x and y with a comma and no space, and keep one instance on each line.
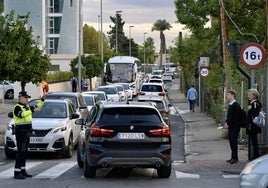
(255,173)
(111,92)
(54,129)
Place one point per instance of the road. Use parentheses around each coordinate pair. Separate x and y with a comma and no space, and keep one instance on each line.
(50,170)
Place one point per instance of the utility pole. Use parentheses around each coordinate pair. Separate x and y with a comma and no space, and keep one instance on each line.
(116,30)
(130,39)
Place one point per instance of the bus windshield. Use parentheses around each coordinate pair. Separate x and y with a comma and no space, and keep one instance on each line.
(120,72)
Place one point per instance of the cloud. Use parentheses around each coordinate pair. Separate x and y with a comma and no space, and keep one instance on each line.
(140,13)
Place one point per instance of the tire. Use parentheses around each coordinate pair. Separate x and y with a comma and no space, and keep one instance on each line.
(89,171)
(80,162)
(164,171)
(68,153)
(9,94)
(9,153)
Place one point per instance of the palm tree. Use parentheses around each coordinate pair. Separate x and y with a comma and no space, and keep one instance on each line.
(161,25)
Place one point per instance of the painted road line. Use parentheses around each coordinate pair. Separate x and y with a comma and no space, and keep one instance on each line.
(10,172)
(56,170)
(181,175)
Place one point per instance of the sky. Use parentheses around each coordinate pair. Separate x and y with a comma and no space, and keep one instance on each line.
(138,13)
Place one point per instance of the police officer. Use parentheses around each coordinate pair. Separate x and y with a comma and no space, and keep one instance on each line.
(22,114)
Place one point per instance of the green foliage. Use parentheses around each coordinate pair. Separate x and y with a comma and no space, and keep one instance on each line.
(59,76)
(21,59)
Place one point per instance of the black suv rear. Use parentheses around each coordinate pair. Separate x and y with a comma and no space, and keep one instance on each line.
(125,135)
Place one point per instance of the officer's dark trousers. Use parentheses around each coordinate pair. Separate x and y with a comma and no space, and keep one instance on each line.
(23,139)
(233,140)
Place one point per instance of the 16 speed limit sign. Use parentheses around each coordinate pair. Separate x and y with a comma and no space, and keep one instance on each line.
(252,55)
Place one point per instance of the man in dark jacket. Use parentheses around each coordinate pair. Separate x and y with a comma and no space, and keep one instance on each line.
(232,123)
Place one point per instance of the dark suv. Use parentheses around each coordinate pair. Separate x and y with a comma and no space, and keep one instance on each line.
(124,134)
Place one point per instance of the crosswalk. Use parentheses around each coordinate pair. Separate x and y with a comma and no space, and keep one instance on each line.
(53,170)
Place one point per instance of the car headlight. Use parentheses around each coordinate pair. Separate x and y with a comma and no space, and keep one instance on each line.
(60,128)
(248,169)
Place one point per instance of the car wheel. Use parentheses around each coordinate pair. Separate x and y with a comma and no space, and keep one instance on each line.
(9,94)
(9,153)
(164,171)
(69,150)
(80,162)
(89,171)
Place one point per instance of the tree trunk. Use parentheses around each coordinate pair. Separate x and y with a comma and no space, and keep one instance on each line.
(23,84)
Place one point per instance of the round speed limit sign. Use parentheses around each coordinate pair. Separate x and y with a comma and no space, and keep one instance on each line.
(204,72)
(252,55)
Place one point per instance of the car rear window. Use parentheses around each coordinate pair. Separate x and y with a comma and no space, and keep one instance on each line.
(129,115)
(151,88)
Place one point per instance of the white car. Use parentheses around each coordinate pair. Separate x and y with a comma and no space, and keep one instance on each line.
(255,173)
(90,99)
(7,88)
(111,92)
(152,91)
(54,129)
(101,95)
(128,90)
(121,91)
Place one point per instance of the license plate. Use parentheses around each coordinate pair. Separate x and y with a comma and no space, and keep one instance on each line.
(134,136)
(36,139)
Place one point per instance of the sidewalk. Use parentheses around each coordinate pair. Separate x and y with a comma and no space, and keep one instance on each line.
(204,144)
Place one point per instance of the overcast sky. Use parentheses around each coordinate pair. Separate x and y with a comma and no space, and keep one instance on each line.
(139,13)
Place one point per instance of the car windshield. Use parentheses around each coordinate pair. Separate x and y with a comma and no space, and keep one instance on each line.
(108,90)
(120,88)
(51,110)
(151,88)
(126,86)
(89,100)
(121,116)
(156,73)
(72,98)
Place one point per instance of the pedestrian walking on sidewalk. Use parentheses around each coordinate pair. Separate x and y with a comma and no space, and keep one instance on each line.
(232,123)
(253,130)
(191,96)
(22,114)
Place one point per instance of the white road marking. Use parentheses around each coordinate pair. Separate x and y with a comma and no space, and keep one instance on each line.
(57,170)
(10,172)
(180,175)
(230,176)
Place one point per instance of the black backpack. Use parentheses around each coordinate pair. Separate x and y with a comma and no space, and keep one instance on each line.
(243,118)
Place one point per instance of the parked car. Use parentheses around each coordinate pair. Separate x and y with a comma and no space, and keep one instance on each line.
(54,129)
(151,91)
(76,98)
(255,173)
(100,94)
(91,100)
(128,90)
(124,134)
(111,92)
(163,108)
(167,77)
(121,91)
(7,88)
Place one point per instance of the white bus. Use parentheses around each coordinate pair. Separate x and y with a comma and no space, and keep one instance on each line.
(123,69)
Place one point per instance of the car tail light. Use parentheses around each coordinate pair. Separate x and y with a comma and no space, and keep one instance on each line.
(164,131)
(141,93)
(95,130)
(162,94)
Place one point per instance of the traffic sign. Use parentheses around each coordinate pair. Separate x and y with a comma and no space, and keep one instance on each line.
(204,72)
(252,55)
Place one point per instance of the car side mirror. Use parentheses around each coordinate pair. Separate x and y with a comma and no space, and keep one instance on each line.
(10,114)
(74,116)
(79,121)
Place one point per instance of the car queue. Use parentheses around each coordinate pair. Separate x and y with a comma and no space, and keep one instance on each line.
(60,130)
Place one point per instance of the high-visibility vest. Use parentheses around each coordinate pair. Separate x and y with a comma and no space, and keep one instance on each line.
(26,114)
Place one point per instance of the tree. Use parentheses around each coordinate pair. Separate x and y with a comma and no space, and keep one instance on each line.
(161,26)
(91,41)
(92,66)
(21,59)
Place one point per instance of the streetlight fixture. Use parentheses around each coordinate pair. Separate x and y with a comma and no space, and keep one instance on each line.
(130,39)
(144,60)
(116,30)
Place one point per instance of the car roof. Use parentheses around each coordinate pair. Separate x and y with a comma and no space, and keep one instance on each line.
(92,92)
(108,86)
(127,104)
(153,83)
(64,93)
(54,100)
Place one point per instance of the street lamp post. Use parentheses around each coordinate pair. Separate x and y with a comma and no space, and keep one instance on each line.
(116,30)
(79,45)
(144,56)
(130,39)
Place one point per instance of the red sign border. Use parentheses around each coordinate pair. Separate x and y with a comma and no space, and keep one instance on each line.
(257,45)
